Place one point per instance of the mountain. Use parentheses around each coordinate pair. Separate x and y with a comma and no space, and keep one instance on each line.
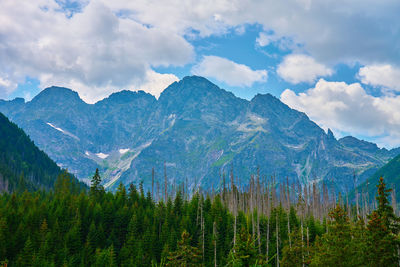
(22,164)
(391,174)
(195,130)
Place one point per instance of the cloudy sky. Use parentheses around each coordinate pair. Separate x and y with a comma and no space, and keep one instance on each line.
(338,61)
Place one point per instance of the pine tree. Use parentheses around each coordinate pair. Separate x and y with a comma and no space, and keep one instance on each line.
(297,254)
(91,243)
(96,189)
(73,244)
(105,257)
(385,210)
(185,255)
(27,256)
(245,252)
(335,248)
(383,227)
(44,240)
(3,238)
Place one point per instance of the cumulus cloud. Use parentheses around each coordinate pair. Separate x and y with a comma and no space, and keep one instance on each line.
(152,82)
(348,108)
(229,72)
(381,75)
(155,82)
(94,50)
(264,39)
(297,68)
(331,31)
(282,42)
(6,86)
(106,44)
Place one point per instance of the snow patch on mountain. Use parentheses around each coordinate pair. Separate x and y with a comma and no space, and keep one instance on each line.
(102,155)
(123,150)
(58,129)
(122,165)
(62,131)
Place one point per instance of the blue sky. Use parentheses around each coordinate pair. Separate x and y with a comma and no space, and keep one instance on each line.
(337,61)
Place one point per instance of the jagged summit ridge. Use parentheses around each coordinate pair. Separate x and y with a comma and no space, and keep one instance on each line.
(196,129)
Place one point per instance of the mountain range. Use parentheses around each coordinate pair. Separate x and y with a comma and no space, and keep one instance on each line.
(194,131)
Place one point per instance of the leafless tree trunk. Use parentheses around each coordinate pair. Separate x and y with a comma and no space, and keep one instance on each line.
(288,211)
(152,183)
(158,190)
(165,183)
(234,208)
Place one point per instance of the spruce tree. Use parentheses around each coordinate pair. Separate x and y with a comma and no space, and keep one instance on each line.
(244,252)
(297,254)
(96,189)
(3,238)
(185,255)
(27,256)
(383,227)
(335,248)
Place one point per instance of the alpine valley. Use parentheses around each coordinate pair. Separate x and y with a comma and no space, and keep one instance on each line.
(196,131)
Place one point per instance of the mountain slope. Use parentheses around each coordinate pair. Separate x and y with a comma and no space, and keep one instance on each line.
(22,164)
(196,130)
(391,174)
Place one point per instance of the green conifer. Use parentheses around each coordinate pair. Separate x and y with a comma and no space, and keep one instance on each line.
(185,255)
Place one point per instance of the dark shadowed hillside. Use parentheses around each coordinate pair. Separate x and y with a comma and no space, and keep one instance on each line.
(22,164)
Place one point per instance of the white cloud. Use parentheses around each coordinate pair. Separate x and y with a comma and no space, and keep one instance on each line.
(94,51)
(152,82)
(230,72)
(331,31)
(100,50)
(348,108)
(297,68)
(264,39)
(6,86)
(155,82)
(282,42)
(381,75)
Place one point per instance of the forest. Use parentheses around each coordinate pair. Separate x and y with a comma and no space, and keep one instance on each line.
(22,164)
(262,224)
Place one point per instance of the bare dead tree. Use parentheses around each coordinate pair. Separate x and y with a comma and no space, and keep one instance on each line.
(288,211)
(152,183)
(165,183)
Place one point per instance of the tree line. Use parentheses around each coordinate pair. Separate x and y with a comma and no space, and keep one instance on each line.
(262,224)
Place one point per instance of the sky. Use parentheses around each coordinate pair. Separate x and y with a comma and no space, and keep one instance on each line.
(338,61)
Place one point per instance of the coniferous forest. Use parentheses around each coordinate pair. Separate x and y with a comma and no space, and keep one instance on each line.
(259,225)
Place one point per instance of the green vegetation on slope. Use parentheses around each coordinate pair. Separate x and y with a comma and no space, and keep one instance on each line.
(22,165)
(391,173)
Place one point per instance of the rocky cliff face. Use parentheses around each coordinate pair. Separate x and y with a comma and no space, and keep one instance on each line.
(196,130)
